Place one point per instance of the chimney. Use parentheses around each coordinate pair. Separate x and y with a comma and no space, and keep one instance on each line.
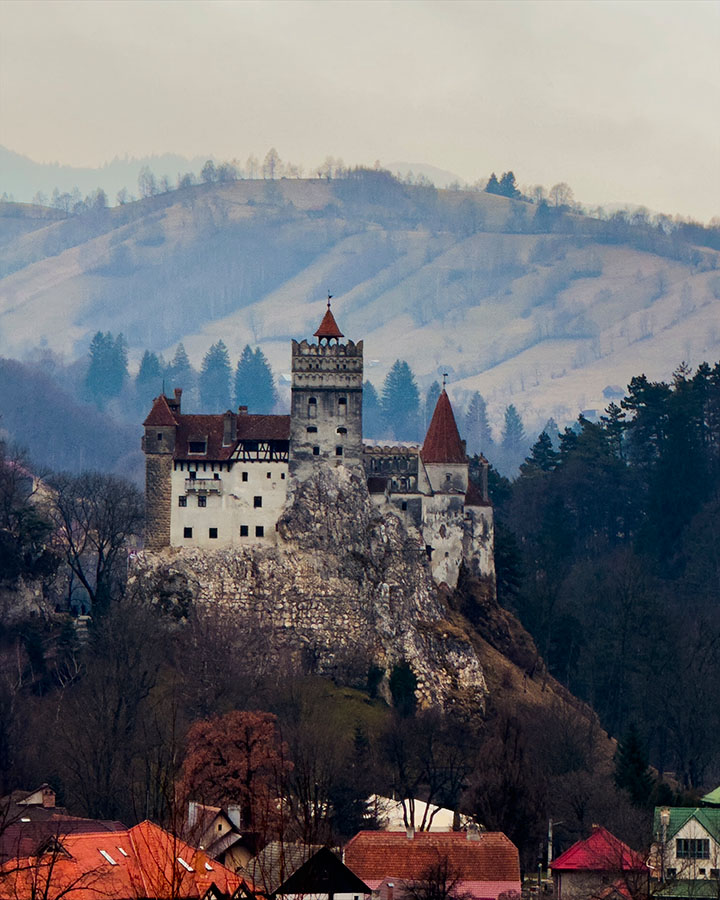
(233,813)
(229,428)
(390,890)
(410,832)
(242,410)
(473,832)
(192,813)
(48,798)
(174,402)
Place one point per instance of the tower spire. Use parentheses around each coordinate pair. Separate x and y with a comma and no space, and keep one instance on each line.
(328,329)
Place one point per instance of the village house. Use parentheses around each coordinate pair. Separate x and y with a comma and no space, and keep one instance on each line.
(687,849)
(294,871)
(482,864)
(141,862)
(222,480)
(600,866)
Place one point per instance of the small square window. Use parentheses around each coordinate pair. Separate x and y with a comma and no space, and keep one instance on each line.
(159,435)
(338,451)
(244,476)
(257,502)
(316,451)
(202,502)
(243,531)
(715,873)
(311,429)
(269,475)
(187,532)
(212,532)
(403,505)
(216,476)
(182,501)
(259,531)
(192,475)
(448,477)
(282,476)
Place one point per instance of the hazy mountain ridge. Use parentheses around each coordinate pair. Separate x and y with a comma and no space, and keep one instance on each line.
(544,314)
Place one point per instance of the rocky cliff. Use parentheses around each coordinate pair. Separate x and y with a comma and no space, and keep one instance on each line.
(345,588)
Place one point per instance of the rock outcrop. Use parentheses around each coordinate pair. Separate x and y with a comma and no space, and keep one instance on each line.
(346,587)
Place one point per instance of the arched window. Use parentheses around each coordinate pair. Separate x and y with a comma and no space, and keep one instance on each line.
(341,430)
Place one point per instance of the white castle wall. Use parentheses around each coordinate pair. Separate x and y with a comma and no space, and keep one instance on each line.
(229,503)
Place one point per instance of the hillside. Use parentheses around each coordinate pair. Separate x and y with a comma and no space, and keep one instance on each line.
(526,304)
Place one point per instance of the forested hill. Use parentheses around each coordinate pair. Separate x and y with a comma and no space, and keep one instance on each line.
(533,305)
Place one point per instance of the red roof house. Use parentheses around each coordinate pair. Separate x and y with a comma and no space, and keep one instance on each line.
(140,862)
(600,862)
(486,864)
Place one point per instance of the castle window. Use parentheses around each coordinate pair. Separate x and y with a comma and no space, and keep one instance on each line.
(243,531)
(403,505)
(316,451)
(341,430)
(259,531)
(182,501)
(216,476)
(269,475)
(244,476)
(257,502)
(212,532)
(448,477)
(202,502)
(197,446)
(312,429)
(187,532)
(338,451)
(282,476)
(159,435)
(342,406)
(312,408)
(192,475)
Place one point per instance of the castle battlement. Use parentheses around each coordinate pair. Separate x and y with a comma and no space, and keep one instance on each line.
(305,348)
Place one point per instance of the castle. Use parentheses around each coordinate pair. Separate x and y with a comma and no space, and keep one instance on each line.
(222,480)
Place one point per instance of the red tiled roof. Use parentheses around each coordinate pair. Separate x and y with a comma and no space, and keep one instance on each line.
(473,497)
(210,428)
(374,855)
(328,327)
(20,839)
(601,852)
(145,863)
(442,441)
(160,414)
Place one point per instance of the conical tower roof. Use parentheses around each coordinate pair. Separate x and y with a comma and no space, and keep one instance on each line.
(328,327)
(160,414)
(442,441)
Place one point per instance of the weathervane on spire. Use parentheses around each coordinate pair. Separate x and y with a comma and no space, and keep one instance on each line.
(444,375)
(329,299)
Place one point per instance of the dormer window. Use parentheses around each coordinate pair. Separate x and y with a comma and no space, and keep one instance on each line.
(197,446)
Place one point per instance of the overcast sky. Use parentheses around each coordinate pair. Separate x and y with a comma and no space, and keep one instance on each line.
(619,99)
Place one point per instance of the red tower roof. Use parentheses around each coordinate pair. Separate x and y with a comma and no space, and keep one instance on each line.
(442,441)
(160,414)
(328,327)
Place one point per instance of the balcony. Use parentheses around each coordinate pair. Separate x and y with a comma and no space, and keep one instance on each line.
(203,485)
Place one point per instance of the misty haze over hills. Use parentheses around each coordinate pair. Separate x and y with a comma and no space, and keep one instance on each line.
(529,305)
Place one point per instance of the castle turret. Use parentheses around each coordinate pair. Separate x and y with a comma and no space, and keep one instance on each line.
(326,414)
(159,445)
(443,452)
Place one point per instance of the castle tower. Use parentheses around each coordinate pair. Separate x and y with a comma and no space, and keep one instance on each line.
(158,445)
(326,411)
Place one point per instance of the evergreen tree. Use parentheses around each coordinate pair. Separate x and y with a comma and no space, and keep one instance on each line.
(493,185)
(180,373)
(543,458)
(431,399)
(507,186)
(401,402)
(215,379)
(632,772)
(254,383)
(107,370)
(149,379)
(373,425)
(513,436)
(477,428)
